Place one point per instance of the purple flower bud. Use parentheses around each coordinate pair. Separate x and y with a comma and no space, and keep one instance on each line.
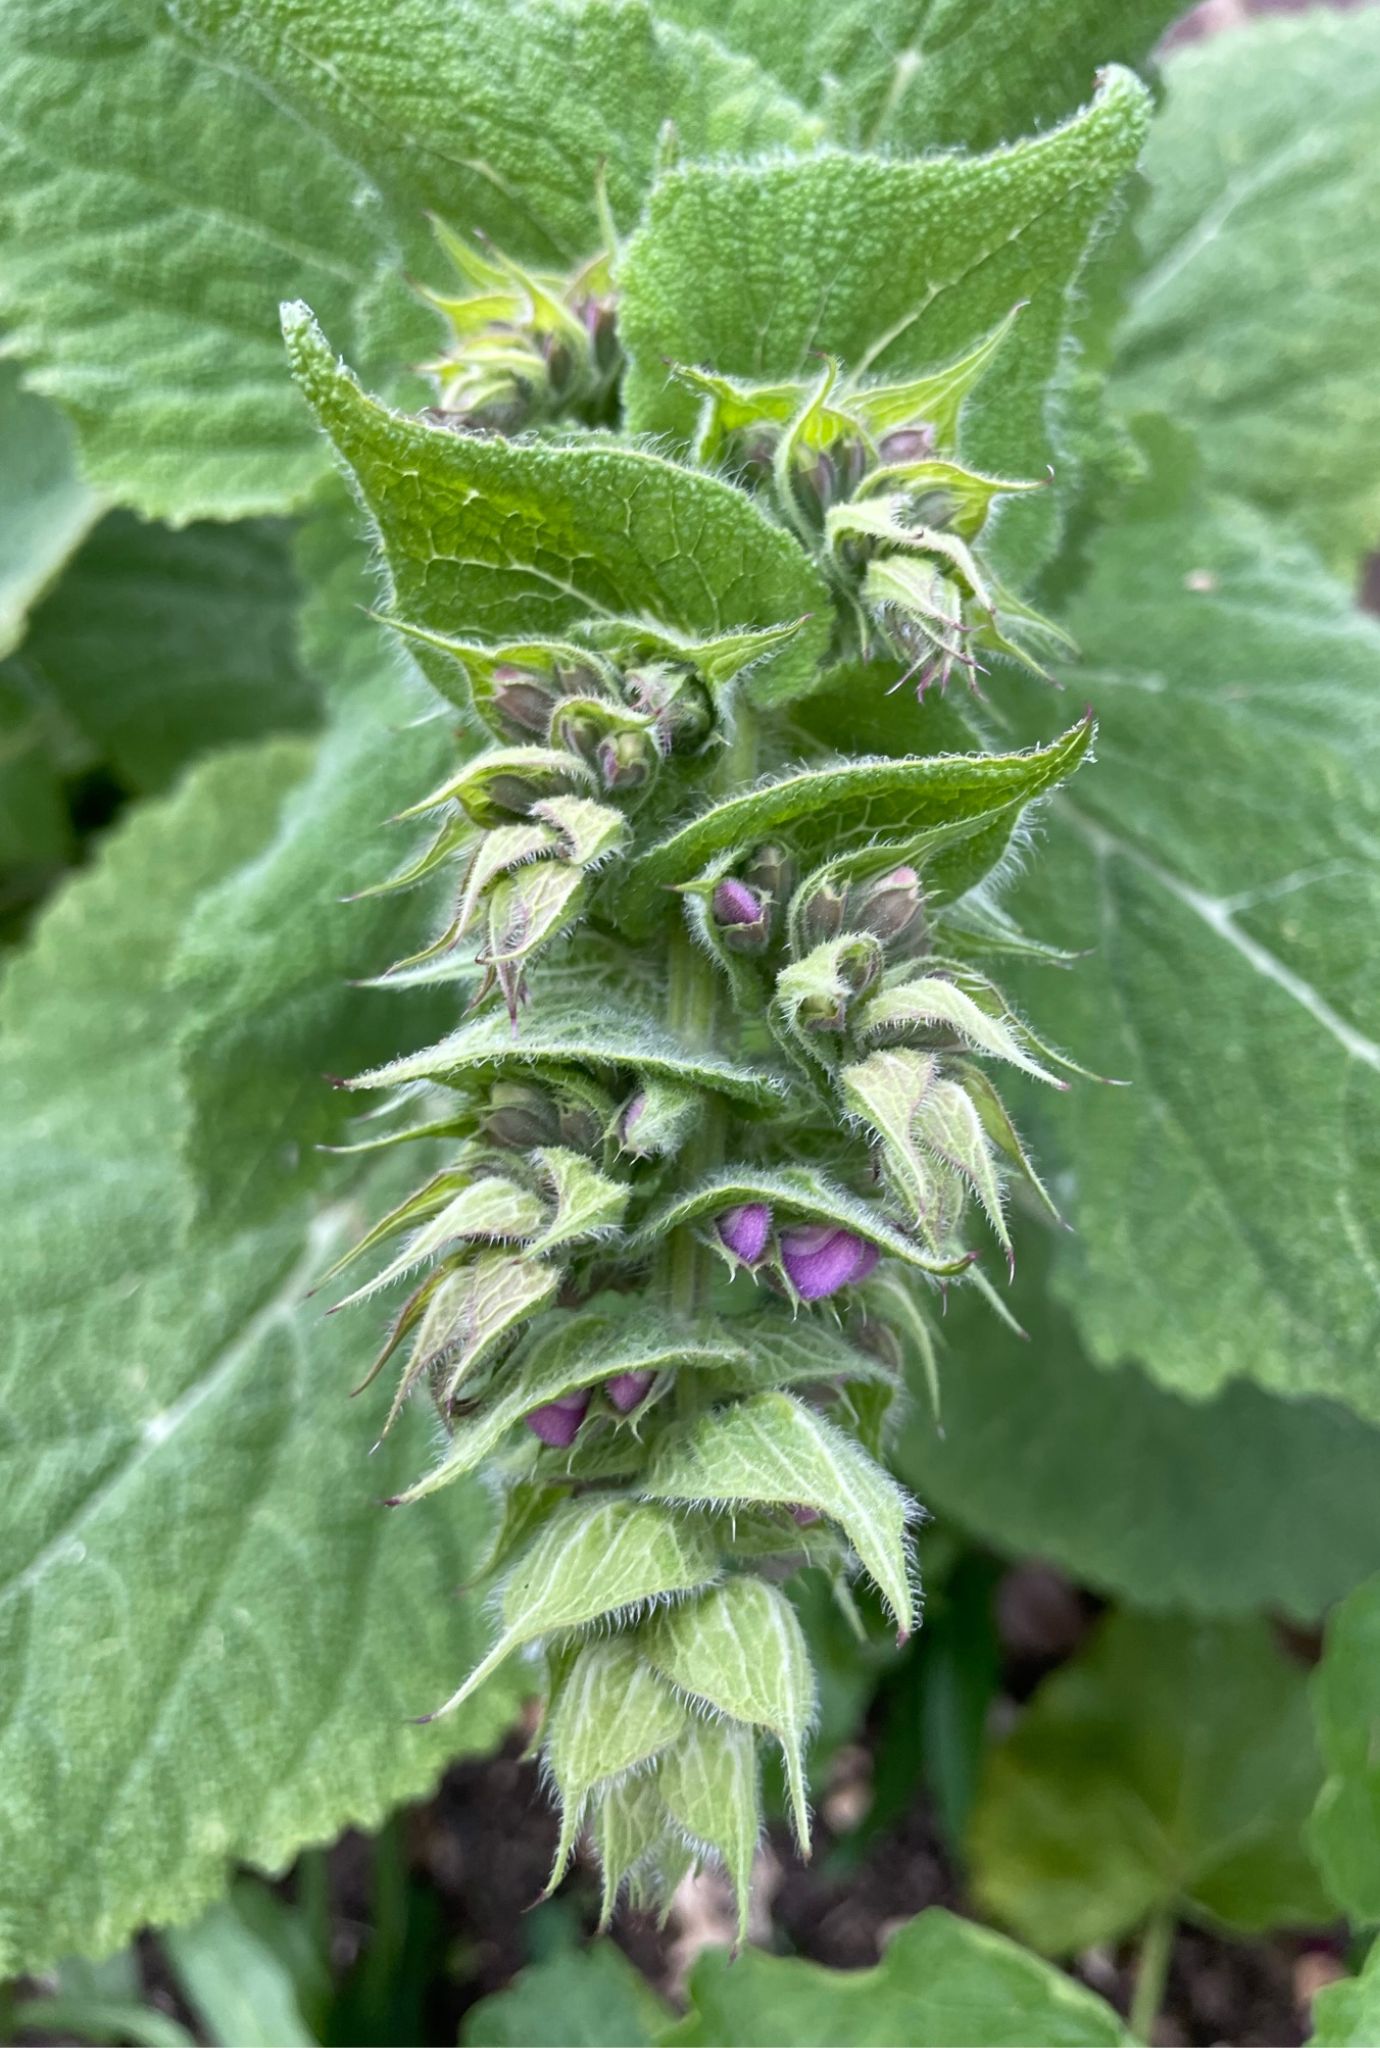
(522,698)
(558,1422)
(733,903)
(628,759)
(627,1389)
(805,1517)
(888,907)
(745,1231)
(907,444)
(820,1259)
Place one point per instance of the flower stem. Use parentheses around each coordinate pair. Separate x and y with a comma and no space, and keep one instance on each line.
(1152,1972)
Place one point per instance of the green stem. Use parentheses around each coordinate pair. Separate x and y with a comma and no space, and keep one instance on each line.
(1152,1972)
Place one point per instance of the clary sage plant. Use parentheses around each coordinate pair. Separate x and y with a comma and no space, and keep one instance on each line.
(721,1122)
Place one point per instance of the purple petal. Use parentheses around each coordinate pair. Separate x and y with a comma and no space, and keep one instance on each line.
(626,1389)
(818,1261)
(734,903)
(558,1422)
(745,1230)
(805,1516)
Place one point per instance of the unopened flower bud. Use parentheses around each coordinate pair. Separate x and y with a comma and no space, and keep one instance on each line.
(745,1231)
(889,907)
(820,1258)
(805,1517)
(771,871)
(520,1116)
(522,698)
(627,760)
(741,916)
(627,1390)
(579,1128)
(823,914)
(515,793)
(579,732)
(557,1422)
(906,444)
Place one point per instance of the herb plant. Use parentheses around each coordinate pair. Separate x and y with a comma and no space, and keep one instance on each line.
(564,558)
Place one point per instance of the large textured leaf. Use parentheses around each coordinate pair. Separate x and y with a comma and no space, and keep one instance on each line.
(582,1998)
(504,119)
(1345,1830)
(45,508)
(950,802)
(1220,1506)
(609,1041)
(1254,320)
(491,537)
(210,1636)
(918,75)
(156,207)
(1169,1766)
(740,1648)
(888,265)
(943,1983)
(1221,862)
(161,645)
(772,1448)
(269,959)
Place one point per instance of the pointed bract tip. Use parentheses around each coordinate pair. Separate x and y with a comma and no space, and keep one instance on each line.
(902,1638)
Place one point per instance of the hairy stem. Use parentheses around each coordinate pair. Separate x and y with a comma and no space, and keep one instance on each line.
(1152,1972)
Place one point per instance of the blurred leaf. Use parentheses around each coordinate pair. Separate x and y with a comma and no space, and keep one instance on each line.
(889,265)
(161,645)
(942,1983)
(45,508)
(1347,2014)
(202,1612)
(1220,1506)
(105,2022)
(1218,860)
(1168,1767)
(1253,323)
(910,75)
(1345,1830)
(500,537)
(590,1997)
(240,1991)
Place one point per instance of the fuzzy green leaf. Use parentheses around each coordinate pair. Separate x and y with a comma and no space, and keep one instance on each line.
(502,538)
(1345,1829)
(909,76)
(161,645)
(577,1998)
(1170,1766)
(740,1649)
(892,266)
(1225,1213)
(580,1351)
(1253,322)
(611,1042)
(709,1781)
(612,1713)
(1222,1506)
(771,1447)
(211,1636)
(945,804)
(596,1556)
(45,508)
(942,1983)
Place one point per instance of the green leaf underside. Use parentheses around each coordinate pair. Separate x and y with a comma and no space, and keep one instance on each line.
(950,795)
(1345,1831)
(740,1649)
(501,539)
(45,508)
(1252,322)
(164,1537)
(771,1448)
(612,1714)
(708,1781)
(1224,1218)
(890,266)
(594,1557)
(1170,1766)
(886,73)
(942,1983)
(608,1041)
(1215,1507)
